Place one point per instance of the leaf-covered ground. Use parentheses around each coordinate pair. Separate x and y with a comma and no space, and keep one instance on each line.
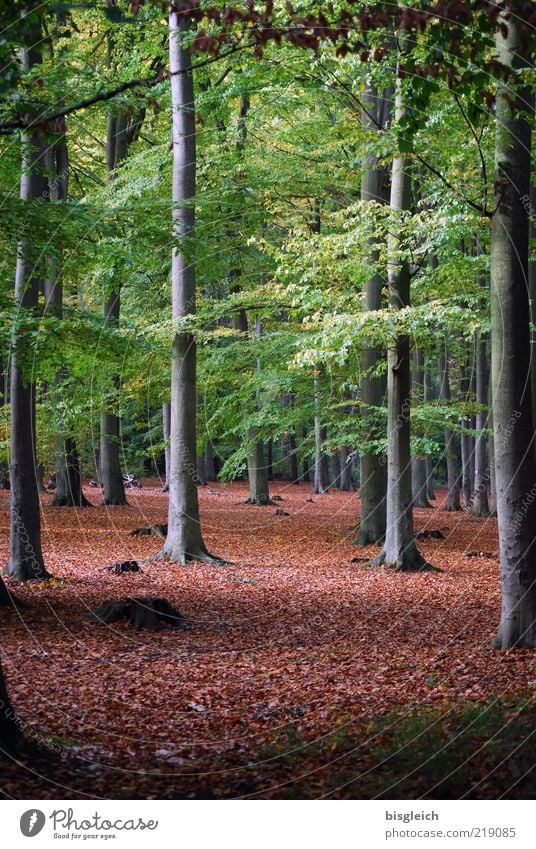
(295,656)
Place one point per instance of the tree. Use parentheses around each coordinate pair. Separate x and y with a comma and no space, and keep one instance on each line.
(25,555)
(184,540)
(399,550)
(515,466)
(452,502)
(374,189)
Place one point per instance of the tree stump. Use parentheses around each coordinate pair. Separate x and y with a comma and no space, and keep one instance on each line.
(144,612)
(124,566)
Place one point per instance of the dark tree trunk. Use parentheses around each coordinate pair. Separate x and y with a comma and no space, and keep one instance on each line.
(346,483)
(334,469)
(184,540)
(466,440)
(320,481)
(399,551)
(452,502)
(419,478)
(67,465)
(428,396)
(515,465)
(479,505)
(532,293)
(11,737)
(210,469)
(373,490)
(121,132)
(25,557)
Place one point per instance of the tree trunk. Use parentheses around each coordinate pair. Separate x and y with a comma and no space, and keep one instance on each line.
(334,469)
(479,504)
(373,490)
(184,540)
(452,503)
(428,396)
(515,465)
(166,426)
(320,481)
(11,737)
(419,479)
(345,481)
(26,557)
(532,293)
(119,136)
(399,551)
(210,469)
(111,474)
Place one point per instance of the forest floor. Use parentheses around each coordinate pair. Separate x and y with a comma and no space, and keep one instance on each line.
(302,674)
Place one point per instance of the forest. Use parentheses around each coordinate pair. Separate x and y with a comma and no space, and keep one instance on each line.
(267,399)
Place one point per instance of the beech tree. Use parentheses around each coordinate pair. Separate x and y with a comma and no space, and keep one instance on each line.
(184,539)
(515,466)
(25,554)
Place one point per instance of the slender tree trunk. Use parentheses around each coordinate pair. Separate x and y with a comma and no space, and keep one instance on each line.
(67,464)
(184,539)
(480,506)
(419,479)
(452,503)
(428,396)
(320,482)
(346,484)
(334,469)
(111,474)
(373,490)
(399,551)
(429,465)
(210,469)
(25,556)
(515,464)
(166,427)
(119,136)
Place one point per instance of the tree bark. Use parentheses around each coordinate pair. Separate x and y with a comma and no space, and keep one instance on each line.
(210,468)
(25,556)
(111,474)
(373,490)
(166,427)
(419,478)
(184,540)
(345,481)
(399,551)
(515,464)
(532,294)
(479,503)
(320,479)
(11,737)
(452,502)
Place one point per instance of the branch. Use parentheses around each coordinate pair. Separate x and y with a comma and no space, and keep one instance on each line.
(479,146)
(479,208)
(104,96)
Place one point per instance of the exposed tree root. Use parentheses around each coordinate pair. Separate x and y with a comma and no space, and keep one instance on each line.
(260,502)
(182,557)
(409,560)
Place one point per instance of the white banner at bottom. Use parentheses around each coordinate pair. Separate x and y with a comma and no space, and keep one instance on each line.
(246,824)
